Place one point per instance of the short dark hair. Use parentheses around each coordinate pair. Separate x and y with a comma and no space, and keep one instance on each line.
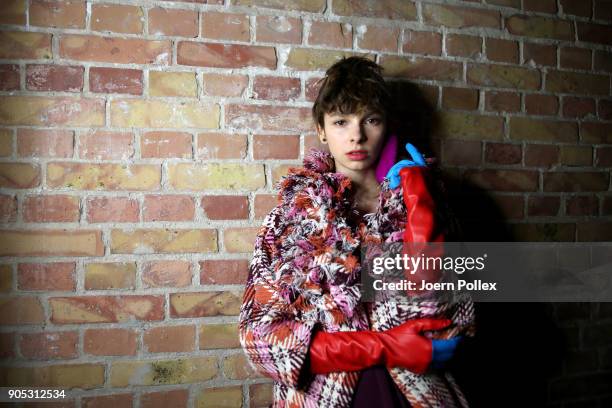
(351,85)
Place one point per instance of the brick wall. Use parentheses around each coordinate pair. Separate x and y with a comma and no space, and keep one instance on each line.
(140,142)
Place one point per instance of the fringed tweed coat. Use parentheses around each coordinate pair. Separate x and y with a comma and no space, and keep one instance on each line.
(304,277)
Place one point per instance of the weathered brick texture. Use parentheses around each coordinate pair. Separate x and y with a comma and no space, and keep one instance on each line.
(140,142)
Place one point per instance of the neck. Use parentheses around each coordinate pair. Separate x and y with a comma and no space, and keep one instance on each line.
(364,182)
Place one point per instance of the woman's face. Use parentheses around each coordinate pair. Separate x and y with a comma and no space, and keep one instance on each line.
(355,140)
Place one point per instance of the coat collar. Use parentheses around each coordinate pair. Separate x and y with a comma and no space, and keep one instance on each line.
(318,177)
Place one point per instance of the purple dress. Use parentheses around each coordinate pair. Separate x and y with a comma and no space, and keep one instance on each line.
(376,388)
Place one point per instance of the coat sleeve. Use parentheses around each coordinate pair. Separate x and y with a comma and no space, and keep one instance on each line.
(275,327)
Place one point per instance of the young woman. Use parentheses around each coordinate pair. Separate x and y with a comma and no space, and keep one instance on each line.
(302,322)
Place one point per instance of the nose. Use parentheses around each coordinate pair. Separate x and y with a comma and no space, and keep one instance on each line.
(358,134)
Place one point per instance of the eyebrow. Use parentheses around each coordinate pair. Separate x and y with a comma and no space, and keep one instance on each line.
(368,113)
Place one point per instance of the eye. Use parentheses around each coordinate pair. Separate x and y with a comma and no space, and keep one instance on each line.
(340,122)
(374,121)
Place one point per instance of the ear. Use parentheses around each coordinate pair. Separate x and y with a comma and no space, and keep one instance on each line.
(321,134)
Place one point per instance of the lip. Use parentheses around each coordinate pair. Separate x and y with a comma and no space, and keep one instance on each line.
(357,155)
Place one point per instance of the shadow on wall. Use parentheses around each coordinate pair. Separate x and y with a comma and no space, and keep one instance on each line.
(518,349)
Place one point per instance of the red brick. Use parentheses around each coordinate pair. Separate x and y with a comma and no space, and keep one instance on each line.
(276,88)
(502,50)
(279,29)
(596,132)
(54,78)
(225,26)
(502,101)
(175,22)
(422,42)
(501,153)
(503,76)
(9,77)
(25,45)
(463,45)
(14,12)
(104,401)
(543,206)
(605,109)
(223,271)
(460,98)
(163,399)
(268,117)
(166,274)
(55,276)
(166,145)
(106,145)
(276,147)
(8,208)
(7,345)
(224,85)
(168,208)
(264,203)
(118,18)
(576,181)
(595,33)
(536,104)
(594,231)
(110,342)
(108,309)
(540,27)
(112,209)
(462,153)
(117,50)
(169,339)
(582,205)
(525,128)
(575,107)
(422,68)
(55,13)
(510,206)
(541,155)
(219,55)
(49,345)
(21,310)
(115,80)
(7,142)
(225,207)
(44,143)
(201,304)
(221,146)
(540,54)
(603,61)
(460,17)
(388,9)
(603,156)
(577,58)
(51,208)
(504,180)
(377,38)
(19,175)
(603,10)
(261,394)
(541,6)
(577,7)
(330,34)
(606,208)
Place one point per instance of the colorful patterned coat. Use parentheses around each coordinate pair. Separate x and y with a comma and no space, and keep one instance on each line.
(304,277)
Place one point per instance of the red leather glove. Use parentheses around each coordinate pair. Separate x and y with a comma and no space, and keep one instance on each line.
(401,346)
(421,228)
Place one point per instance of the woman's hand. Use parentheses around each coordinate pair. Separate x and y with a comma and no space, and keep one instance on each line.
(417,161)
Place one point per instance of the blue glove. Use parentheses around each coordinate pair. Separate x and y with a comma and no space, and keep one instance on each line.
(443,350)
(417,160)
